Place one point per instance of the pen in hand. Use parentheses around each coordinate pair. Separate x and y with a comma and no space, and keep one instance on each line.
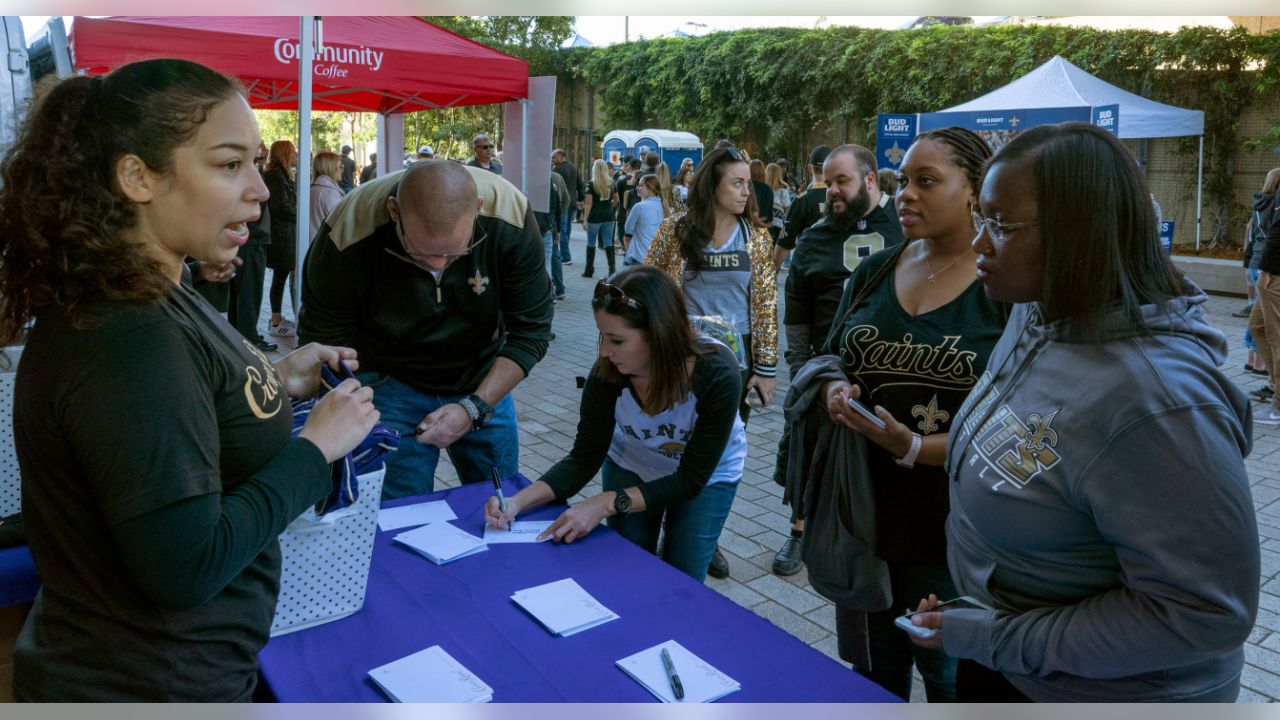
(670,667)
(497,488)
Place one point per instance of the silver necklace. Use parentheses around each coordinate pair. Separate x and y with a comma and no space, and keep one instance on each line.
(933,275)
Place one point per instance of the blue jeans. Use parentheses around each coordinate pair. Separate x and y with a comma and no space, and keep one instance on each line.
(566,224)
(601,234)
(553,263)
(411,470)
(692,527)
(1251,274)
(892,652)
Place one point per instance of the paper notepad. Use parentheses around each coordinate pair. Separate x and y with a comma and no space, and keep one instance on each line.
(526,531)
(430,676)
(442,542)
(416,514)
(702,683)
(563,607)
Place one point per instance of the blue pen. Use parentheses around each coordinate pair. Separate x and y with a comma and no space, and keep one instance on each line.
(497,488)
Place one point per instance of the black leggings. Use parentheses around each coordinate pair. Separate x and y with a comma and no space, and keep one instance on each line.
(278,280)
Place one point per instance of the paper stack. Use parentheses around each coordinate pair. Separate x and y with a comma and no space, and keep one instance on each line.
(430,676)
(701,682)
(442,542)
(563,607)
(526,531)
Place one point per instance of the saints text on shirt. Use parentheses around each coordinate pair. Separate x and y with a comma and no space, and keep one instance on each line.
(941,365)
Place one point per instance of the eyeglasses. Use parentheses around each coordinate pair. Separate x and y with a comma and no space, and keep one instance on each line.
(612,295)
(420,258)
(485,147)
(999,231)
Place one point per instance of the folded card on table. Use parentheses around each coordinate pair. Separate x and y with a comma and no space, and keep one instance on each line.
(441,542)
(432,676)
(563,607)
(701,682)
(417,514)
(525,531)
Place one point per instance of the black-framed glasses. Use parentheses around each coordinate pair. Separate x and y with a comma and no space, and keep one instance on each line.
(999,231)
(612,295)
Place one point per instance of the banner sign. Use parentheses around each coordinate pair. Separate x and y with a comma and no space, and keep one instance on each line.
(894,134)
(1166,236)
(1107,117)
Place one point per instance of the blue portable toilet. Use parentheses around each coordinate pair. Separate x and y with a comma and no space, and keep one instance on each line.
(673,146)
(617,145)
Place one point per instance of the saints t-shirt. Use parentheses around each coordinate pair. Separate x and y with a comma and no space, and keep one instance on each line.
(157,421)
(920,368)
(722,286)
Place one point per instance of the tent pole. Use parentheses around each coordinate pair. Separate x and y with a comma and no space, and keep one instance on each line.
(524,146)
(1199,191)
(302,230)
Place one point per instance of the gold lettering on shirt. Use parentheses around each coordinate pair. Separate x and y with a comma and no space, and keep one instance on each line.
(944,365)
(262,389)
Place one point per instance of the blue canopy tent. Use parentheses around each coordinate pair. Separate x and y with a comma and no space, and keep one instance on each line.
(1060,86)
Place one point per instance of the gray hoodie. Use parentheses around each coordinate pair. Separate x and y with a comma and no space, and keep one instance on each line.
(1099,503)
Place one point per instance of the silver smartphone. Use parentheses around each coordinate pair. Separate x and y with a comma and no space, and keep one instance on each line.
(865,412)
(963,601)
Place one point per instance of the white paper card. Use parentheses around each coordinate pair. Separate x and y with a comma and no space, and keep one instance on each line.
(702,683)
(430,676)
(525,531)
(441,542)
(563,607)
(416,514)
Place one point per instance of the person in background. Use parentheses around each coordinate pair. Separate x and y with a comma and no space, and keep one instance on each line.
(425,152)
(326,172)
(625,193)
(1264,319)
(153,440)
(577,191)
(370,171)
(1120,566)
(247,283)
(598,217)
(888,179)
(563,202)
(643,222)
(805,209)
(684,179)
(282,252)
(653,380)
(482,149)
(911,337)
(718,252)
(764,195)
(347,178)
(774,178)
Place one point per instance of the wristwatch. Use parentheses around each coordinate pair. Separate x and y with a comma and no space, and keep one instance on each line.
(622,502)
(909,460)
(479,410)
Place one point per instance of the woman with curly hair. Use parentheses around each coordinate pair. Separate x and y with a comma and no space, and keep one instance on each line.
(154,441)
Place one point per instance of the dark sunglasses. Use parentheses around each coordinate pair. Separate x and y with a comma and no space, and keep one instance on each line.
(485,147)
(733,153)
(612,295)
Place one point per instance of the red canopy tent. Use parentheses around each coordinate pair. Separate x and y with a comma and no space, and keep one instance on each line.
(368,64)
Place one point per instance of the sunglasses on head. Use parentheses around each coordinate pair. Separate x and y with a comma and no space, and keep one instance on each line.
(613,296)
(733,153)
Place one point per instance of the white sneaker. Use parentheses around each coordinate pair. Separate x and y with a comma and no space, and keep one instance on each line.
(284,328)
(1267,416)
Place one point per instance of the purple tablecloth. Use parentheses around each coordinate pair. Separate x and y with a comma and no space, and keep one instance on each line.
(466,608)
(18,579)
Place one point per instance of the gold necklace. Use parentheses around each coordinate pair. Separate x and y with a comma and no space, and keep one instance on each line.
(932,274)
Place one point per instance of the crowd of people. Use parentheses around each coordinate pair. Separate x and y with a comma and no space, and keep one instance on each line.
(989,354)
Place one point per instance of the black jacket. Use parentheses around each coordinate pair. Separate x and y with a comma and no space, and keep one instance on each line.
(569,172)
(440,337)
(1268,207)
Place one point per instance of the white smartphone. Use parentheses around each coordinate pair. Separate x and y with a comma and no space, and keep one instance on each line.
(867,413)
(964,601)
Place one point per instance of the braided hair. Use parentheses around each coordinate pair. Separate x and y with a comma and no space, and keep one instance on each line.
(968,151)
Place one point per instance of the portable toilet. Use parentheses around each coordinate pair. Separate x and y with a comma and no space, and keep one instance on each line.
(617,145)
(673,146)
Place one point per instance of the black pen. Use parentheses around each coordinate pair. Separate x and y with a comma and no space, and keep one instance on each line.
(670,667)
(497,488)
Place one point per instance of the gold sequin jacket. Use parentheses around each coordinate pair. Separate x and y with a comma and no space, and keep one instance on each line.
(664,253)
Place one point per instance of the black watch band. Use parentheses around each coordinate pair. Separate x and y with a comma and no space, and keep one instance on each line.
(622,502)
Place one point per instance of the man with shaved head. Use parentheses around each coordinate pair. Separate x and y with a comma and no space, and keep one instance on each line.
(435,275)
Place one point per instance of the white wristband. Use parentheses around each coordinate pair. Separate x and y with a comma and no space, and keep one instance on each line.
(909,460)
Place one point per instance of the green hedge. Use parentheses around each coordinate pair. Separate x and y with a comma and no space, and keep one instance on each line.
(767,87)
